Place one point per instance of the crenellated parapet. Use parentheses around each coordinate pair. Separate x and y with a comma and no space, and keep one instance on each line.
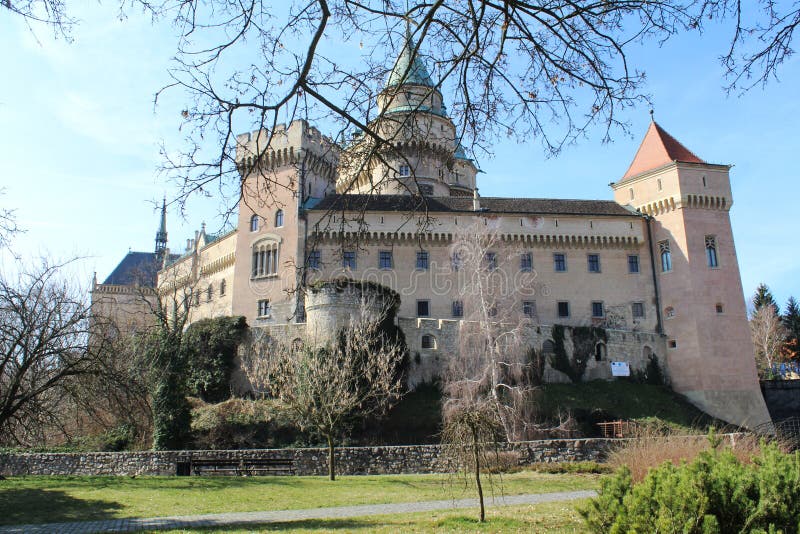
(292,146)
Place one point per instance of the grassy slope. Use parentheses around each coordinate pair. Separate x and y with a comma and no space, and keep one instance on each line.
(51,499)
(591,402)
(555,518)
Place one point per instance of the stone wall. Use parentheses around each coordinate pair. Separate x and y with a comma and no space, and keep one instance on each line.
(406,459)
(350,460)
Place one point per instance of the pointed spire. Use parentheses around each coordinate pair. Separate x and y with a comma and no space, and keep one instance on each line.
(161,234)
(409,67)
(659,148)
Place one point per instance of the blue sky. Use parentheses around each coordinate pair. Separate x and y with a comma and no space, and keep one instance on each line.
(80,144)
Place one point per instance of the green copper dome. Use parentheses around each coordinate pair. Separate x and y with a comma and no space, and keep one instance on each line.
(409,68)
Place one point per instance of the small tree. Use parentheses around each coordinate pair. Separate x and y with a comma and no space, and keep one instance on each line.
(769,336)
(791,320)
(45,323)
(325,389)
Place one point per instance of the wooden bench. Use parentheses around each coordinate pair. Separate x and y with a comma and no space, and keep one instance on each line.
(242,467)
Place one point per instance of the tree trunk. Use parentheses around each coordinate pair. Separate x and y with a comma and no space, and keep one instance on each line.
(476,453)
(331,460)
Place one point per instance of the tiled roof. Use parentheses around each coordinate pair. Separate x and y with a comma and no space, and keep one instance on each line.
(659,148)
(410,203)
(136,268)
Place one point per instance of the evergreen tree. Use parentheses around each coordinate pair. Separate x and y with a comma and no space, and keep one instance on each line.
(791,320)
(763,297)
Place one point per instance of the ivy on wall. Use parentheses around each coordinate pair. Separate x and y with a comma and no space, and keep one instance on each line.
(584,340)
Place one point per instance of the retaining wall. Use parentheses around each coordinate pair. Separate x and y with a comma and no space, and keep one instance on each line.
(350,460)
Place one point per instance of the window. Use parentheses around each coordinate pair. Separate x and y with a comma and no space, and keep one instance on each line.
(349,259)
(597,310)
(526,262)
(704,182)
(491,261)
(385,259)
(278,218)
(428,342)
(666,256)
(548,347)
(265,260)
(422,260)
(405,170)
(264,308)
(458,308)
(673,344)
(492,311)
(209,293)
(529,308)
(594,262)
(423,308)
(659,184)
(637,310)
(426,189)
(719,308)
(222,286)
(669,312)
(314,259)
(197,299)
(559,262)
(563,309)
(633,263)
(254,223)
(711,251)
(631,192)
(456,262)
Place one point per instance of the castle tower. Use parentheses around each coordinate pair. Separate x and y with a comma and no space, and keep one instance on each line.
(161,234)
(423,155)
(702,307)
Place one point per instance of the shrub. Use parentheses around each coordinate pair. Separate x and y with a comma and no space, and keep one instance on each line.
(241,424)
(714,493)
(210,347)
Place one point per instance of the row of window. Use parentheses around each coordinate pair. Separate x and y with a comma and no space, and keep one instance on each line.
(386,261)
(265,260)
(255,219)
(665,253)
(194,297)
(529,309)
(660,186)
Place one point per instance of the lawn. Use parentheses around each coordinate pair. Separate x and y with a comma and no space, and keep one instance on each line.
(556,518)
(53,499)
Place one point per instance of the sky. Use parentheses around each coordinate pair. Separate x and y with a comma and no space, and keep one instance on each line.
(80,144)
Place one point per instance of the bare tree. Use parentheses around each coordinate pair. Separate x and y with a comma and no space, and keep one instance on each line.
(769,336)
(8,225)
(44,340)
(326,388)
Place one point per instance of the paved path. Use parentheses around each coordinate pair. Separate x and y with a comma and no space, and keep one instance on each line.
(255,518)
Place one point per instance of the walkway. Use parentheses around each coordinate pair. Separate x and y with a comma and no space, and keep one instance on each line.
(256,518)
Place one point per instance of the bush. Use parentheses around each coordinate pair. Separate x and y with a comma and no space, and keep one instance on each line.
(241,424)
(210,347)
(714,493)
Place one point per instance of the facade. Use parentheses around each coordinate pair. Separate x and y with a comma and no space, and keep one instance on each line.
(656,267)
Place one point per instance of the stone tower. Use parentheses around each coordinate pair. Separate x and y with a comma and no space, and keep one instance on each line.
(702,307)
(422,154)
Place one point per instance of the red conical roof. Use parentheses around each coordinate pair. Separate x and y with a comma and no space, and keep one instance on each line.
(659,148)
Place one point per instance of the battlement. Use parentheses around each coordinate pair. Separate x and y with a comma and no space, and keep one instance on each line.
(285,145)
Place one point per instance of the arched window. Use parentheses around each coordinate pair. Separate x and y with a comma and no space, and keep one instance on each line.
(209,293)
(222,288)
(600,352)
(254,223)
(669,312)
(428,342)
(278,218)
(711,251)
(666,256)
(265,259)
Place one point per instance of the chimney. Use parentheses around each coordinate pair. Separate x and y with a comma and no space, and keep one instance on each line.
(476,200)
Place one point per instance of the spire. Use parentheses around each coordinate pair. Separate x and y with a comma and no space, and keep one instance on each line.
(161,234)
(409,67)
(659,148)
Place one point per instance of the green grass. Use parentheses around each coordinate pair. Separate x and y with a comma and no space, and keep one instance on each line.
(53,499)
(592,402)
(556,518)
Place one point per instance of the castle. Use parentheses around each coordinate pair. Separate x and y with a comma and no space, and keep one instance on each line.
(656,268)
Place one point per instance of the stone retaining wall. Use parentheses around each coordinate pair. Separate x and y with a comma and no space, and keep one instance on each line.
(350,460)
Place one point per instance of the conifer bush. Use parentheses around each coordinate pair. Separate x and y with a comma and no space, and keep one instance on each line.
(714,493)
